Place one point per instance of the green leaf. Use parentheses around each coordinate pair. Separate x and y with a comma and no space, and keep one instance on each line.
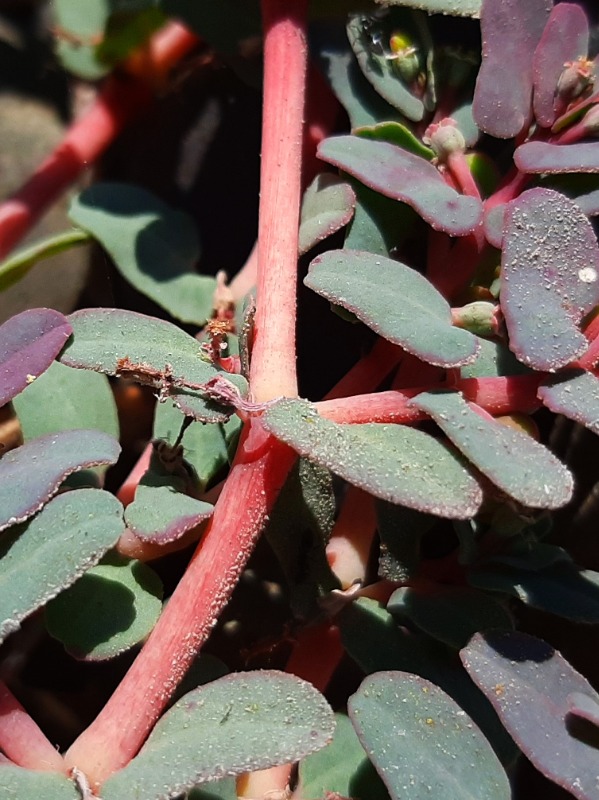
(396,302)
(65,399)
(400,531)
(379,224)
(560,589)
(17,265)
(451,614)
(225,789)
(43,557)
(401,175)
(549,278)
(328,204)
(204,446)
(398,134)
(81,28)
(341,768)
(17,783)
(458,8)
(31,474)
(153,246)
(378,70)
(422,743)
(239,723)
(531,685)
(493,360)
(132,345)
(298,530)
(574,394)
(113,607)
(512,460)
(393,462)
(29,342)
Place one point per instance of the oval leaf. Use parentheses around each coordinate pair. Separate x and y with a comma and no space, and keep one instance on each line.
(113,607)
(161,514)
(401,175)
(553,159)
(17,783)
(565,38)
(503,94)
(393,462)
(19,263)
(457,8)
(29,343)
(64,399)
(529,683)
(549,278)
(146,349)
(513,461)
(40,559)
(396,302)
(32,473)
(327,206)
(154,246)
(451,614)
(421,742)
(575,395)
(242,722)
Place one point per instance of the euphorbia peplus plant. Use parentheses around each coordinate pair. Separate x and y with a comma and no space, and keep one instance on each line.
(471,267)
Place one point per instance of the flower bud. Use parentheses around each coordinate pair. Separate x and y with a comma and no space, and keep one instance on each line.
(577,78)
(405,56)
(444,138)
(480,318)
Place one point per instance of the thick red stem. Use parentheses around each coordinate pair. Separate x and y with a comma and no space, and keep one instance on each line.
(273,370)
(260,469)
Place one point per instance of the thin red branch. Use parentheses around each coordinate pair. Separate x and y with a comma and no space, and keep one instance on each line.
(22,740)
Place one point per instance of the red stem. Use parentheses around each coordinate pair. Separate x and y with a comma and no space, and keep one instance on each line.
(256,478)
(273,371)
(22,740)
(121,100)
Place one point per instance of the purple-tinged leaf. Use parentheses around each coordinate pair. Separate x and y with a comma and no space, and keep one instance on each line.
(549,278)
(422,743)
(50,552)
(161,513)
(109,610)
(29,343)
(242,722)
(380,72)
(404,465)
(588,203)
(493,222)
(529,683)
(327,206)
(32,473)
(513,461)
(396,302)
(575,395)
(510,30)
(565,38)
(535,157)
(584,706)
(404,176)
(150,351)
(450,614)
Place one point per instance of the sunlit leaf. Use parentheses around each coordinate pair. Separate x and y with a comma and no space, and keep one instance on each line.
(401,175)
(396,463)
(554,159)
(18,264)
(32,473)
(145,349)
(457,8)
(154,246)
(242,722)
(549,278)
(575,395)
(422,743)
(17,783)
(43,557)
(529,683)
(113,607)
(396,302)
(29,342)
(512,460)
(510,31)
